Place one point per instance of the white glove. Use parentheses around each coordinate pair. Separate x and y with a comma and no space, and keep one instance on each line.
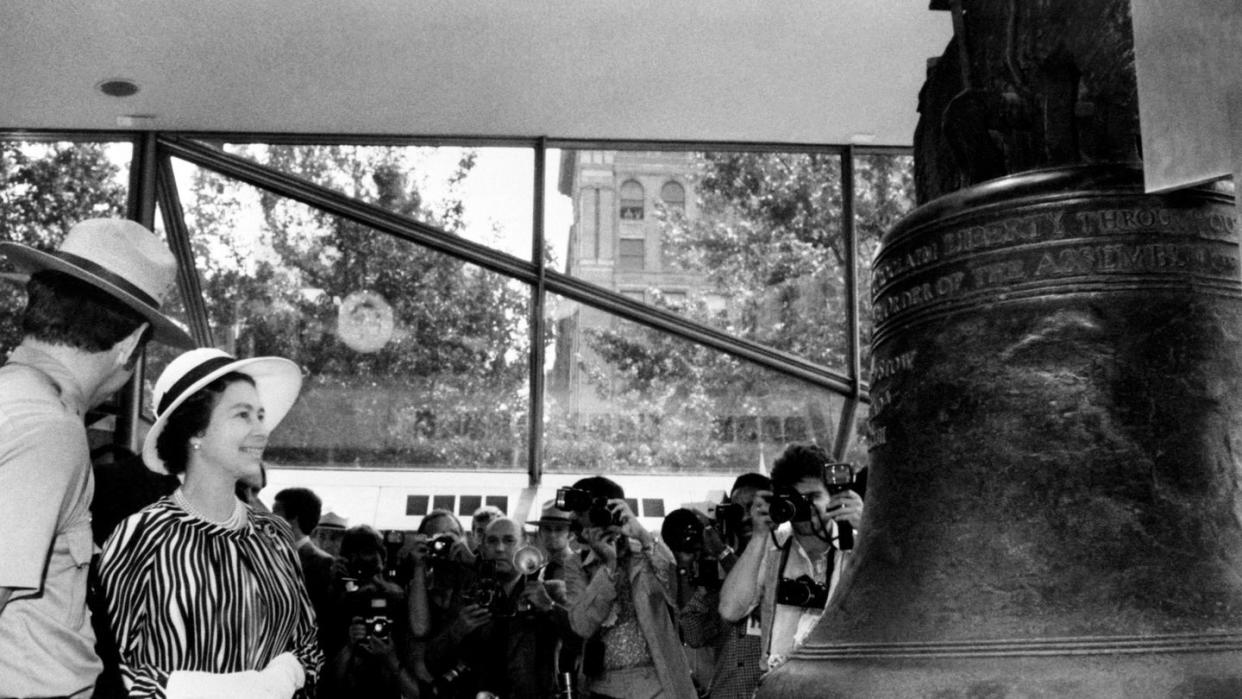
(279,680)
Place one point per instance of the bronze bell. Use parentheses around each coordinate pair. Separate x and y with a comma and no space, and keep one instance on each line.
(1053,508)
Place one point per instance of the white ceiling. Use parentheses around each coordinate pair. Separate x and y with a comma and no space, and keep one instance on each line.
(802,71)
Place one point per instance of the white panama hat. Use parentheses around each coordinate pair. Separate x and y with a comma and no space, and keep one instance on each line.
(119,257)
(276,379)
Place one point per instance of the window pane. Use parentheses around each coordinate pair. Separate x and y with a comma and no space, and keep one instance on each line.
(482,194)
(883,194)
(468,504)
(674,196)
(632,203)
(653,507)
(757,243)
(443,502)
(501,501)
(631,254)
(45,188)
(622,398)
(416,505)
(413,359)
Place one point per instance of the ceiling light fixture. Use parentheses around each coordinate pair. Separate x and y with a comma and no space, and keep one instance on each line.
(118,87)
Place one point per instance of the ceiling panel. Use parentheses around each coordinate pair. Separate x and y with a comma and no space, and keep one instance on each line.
(822,71)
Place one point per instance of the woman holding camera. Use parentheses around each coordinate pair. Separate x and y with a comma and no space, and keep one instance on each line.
(205,595)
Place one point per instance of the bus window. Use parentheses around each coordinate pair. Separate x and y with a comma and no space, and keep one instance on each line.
(469,503)
(653,507)
(501,501)
(416,505)
(443,502)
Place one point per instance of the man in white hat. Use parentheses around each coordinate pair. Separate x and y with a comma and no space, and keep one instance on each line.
(91,307)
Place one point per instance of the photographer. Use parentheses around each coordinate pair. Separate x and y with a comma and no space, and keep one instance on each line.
(505,635)
(736,673)
(696,547)
(438,556)
(376,638)
(790,575)
(625,611)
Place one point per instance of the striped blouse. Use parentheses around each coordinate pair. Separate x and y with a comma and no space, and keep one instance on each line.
(187,594)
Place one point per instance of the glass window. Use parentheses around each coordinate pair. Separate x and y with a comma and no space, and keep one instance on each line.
(443,502)
(653,507)
(632,202)
(413,359)
(501,501)
(623,398)
(758,247)
(416,505)
(631,254)
(673,196)
(483,194)
(883,194)
(468,504)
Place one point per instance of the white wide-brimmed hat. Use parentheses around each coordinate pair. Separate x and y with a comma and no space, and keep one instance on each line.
(121,258)
(276,379)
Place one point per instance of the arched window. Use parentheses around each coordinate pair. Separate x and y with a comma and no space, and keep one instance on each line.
(674,196)
(631,201)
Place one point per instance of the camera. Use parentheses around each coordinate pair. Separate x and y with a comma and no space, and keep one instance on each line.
(378,626)
(682,531)
(371,606)
(789,506)
(488,591)
(802,592)
(576,500)
(838,478)
(439,546)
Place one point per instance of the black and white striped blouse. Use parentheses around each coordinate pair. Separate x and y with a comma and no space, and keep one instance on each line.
(187,594)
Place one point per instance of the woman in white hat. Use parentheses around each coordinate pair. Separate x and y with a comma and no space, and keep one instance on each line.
(205,595)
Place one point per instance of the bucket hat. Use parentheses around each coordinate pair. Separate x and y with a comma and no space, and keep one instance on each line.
(119,257)
(276,379)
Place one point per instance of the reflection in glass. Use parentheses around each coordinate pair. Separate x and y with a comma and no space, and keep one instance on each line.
(414,359)
(748,242)
(623,398)
(45,188)
(485,195)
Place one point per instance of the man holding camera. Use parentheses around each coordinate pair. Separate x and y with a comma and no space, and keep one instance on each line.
(506,635)
(790,575)
(626,609)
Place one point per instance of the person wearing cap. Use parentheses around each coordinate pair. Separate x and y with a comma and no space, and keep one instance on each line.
(205,594)
(564,567)
(91,307)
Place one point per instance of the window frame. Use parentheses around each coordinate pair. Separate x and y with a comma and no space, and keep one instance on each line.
(152,181)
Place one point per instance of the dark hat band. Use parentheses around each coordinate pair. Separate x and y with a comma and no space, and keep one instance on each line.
(190,378)
(109,276)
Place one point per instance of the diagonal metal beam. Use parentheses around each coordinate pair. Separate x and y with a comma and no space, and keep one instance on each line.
(526,271)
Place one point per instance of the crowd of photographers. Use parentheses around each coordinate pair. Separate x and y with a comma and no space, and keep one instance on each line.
(589,603)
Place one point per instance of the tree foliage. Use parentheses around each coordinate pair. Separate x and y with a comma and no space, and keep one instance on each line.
(276,274)
(768,238)
(44,190)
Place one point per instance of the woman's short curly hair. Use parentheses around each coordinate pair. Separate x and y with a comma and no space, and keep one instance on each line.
(190,419)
